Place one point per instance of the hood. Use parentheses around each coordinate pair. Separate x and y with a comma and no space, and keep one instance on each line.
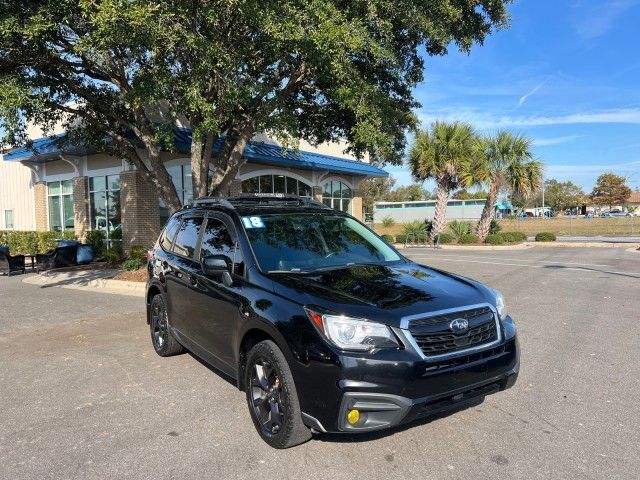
(382,293)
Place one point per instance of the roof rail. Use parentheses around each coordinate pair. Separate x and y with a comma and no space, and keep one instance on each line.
(274,198)
(223,202)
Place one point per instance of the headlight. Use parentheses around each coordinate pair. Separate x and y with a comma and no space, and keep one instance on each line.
(500,306)
(353,333)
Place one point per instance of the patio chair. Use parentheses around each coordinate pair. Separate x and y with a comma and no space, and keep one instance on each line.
(11,263)
(57,258)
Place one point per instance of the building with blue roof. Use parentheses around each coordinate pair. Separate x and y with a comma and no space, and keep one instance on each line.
(77,187)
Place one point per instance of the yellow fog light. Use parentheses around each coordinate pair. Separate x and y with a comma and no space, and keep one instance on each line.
(353,416)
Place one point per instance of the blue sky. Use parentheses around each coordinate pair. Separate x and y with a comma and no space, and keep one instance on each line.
(566,74)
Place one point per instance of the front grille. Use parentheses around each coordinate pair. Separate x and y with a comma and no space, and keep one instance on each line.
(434,336)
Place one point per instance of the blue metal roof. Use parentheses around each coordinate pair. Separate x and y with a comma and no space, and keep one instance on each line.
(47,148)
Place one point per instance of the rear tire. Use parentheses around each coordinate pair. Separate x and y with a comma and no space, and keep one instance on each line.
(164,343)
(272,397)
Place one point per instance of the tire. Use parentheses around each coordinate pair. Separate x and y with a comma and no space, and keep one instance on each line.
(272,397)
(164,343)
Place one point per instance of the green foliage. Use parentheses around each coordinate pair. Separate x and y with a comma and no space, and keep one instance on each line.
(494,227)
(610,189)
(320,71)
(387,238)
(465,195)
(138,252)
(459,228)
(514,237)
(96,238)
(415,231)
(561,195)
(546,237)
(28,241)
(468,239)
(445,239)
(388,222)
(407,193)
(495,239)
(68,235)
(133,264)
(113,256)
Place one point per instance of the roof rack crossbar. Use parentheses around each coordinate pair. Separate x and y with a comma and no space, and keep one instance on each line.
(272,198)
(223,202)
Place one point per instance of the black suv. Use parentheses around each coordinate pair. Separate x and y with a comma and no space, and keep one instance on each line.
(325,326)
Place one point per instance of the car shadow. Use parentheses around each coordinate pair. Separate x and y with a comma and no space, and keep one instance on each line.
(378,434)
(213,369)
(608,272)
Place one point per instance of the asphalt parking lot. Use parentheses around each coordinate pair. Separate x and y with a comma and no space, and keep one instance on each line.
(84,395)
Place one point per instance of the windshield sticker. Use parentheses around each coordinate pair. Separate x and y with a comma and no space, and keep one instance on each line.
(253,222)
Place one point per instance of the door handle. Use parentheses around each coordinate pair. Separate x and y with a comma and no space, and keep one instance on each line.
(165,268)
(193,280)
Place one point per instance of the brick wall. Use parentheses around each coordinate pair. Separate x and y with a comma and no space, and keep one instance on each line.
(317,193)
(356,207)
(81,206)
(40,206)
(140,211)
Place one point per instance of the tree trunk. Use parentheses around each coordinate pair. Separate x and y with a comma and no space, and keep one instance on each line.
(200,158)
(440,213)
(230,160)
(488,213)
(160,177)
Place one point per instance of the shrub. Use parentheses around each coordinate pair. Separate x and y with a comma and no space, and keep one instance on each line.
(512,237)
(387,238)
(69,235)
(495,239)
(96,239)
(468,238)
(47,241)
(546,237)
(113,256)
(459,228)
(138,252)
(388,222)
(133,264)
(445,239)
(494,227)
(414,231)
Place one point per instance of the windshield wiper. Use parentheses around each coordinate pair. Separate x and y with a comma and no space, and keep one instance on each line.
(293,270)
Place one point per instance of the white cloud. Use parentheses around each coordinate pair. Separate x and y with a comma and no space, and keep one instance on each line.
(600,17)
(542,142)
(488,121)
(524,97)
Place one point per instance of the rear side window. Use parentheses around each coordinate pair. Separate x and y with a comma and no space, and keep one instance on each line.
(169,232)
(217,240)
(187,236)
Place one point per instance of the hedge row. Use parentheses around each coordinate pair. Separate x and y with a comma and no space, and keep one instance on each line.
(32,242)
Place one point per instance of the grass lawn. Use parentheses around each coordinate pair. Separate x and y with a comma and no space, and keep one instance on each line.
(560,226)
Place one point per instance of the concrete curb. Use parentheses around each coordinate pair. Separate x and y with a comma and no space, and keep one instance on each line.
(102,285)
(528,245)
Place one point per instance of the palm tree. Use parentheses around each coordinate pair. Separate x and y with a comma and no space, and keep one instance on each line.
(505,162)
(445,153)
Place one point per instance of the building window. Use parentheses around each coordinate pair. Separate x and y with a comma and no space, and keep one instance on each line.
(276,184)
(181,177)
(337,196)
(8,219)
(60,202)
(106,215)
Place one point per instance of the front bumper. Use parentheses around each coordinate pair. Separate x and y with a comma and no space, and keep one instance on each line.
(397,387)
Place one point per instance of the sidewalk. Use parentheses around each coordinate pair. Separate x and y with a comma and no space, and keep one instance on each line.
(93,280)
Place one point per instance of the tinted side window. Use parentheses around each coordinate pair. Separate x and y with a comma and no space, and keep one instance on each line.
(217,240)
(187,237)
(169,232)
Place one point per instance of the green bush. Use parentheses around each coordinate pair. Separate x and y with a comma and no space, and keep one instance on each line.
(514,237)
(546,237)
(68,235)
(138,252)
(415,231)
(96,239)
(459,229)
(495,239)
(133,264)
(494,227)
(468,238)
(47,241)
(388,222)
(445,238)
(30,241)
(113,256)
(387,238)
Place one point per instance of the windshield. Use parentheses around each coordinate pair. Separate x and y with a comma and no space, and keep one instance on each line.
(305,242)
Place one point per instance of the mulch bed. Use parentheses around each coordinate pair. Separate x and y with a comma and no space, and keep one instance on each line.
(139,275)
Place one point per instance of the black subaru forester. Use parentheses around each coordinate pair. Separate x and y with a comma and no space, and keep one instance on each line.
(325,326)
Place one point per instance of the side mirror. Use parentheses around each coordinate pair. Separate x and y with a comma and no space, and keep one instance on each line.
(218,266)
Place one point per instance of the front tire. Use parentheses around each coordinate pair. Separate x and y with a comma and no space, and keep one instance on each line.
(164,343)
(272,397)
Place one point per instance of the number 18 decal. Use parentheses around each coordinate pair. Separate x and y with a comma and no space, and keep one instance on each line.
(252,222)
